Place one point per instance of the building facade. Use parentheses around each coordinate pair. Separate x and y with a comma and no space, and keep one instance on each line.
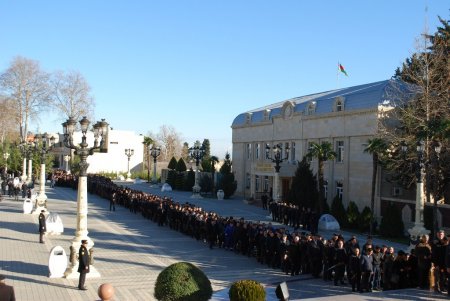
(347,118)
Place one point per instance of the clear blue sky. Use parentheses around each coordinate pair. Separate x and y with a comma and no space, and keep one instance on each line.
(196,65)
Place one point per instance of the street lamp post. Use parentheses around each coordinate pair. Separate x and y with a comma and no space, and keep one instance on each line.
(42,145)
(83,150)
(418,229)
(277,159)
(25,148)
(155,151)
(6,156)
(129,152)
(196,152)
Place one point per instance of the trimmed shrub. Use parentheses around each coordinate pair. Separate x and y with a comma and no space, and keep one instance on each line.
(247,290)
(364,220)
(189,181)
(352,215)
(172,164)
(338,211)
(171,178)
(392,224)
(181,165)
(182,281)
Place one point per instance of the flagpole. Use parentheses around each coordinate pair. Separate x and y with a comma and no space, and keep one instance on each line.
(337,77)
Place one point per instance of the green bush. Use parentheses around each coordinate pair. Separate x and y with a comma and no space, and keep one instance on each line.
(392,224)
(189,181)
(182,281)
(247,290)
(364,220)
(338,211)
(352,215)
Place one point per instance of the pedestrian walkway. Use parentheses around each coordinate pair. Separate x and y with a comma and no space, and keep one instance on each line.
(130,251)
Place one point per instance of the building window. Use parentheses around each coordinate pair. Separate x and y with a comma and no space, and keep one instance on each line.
(286,151)
(325,189)
(339,104)
(311,108)
(247,180)
(256,183)
(267,151)
(340,151)
(248,118)
(292,151)
(266,183)
(266,114)
(257,151)
(249,151)
(339,189)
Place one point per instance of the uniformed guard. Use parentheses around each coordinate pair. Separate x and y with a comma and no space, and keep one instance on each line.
(83,265)
(42,226)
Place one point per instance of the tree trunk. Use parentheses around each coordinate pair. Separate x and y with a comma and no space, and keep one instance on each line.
(372,197)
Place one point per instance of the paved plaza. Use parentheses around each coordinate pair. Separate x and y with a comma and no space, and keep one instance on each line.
(130,251)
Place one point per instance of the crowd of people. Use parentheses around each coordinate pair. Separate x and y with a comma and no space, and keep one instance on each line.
(342,261)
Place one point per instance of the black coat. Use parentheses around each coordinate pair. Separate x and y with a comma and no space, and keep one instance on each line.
(42,224)
(6,293)
(83,258)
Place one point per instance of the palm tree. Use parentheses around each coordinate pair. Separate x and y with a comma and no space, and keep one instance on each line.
(376,147)
(322,152)
(147,142)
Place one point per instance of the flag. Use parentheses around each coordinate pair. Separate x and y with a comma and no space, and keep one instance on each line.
(341,68)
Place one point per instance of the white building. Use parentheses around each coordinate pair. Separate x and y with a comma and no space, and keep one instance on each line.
(114,160)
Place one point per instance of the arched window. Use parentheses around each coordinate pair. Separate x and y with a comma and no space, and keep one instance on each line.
(339,104)
(311,109)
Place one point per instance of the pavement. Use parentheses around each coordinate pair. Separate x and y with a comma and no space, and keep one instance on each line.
(131,251)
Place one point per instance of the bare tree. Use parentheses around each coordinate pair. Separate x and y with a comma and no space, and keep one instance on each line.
(170,141)
(71,95)
(26,86)
(8,130)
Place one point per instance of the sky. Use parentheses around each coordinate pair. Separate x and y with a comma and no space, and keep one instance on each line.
(197,64)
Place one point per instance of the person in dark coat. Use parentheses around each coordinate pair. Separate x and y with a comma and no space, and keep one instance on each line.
(42,226)
(447,264)
(264,200)
(112,202)
(340,261)
(24,190)
(423,253)
(6,291)
(354,269)
(83,265)
(438,259)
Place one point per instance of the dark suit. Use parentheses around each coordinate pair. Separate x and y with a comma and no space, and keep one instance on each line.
(42,227)
(83,266)
(6,293)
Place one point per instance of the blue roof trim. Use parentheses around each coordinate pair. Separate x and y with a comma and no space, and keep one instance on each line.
(365,96)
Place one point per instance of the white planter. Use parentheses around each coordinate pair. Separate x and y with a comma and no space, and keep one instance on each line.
(220,194)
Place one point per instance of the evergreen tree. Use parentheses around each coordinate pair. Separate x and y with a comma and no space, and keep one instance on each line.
(180,174)
(392,223)
(338,211)
(303,191)
(227,182)
(172,164)
(172,174)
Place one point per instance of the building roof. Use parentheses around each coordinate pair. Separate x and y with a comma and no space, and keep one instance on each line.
(367,96)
